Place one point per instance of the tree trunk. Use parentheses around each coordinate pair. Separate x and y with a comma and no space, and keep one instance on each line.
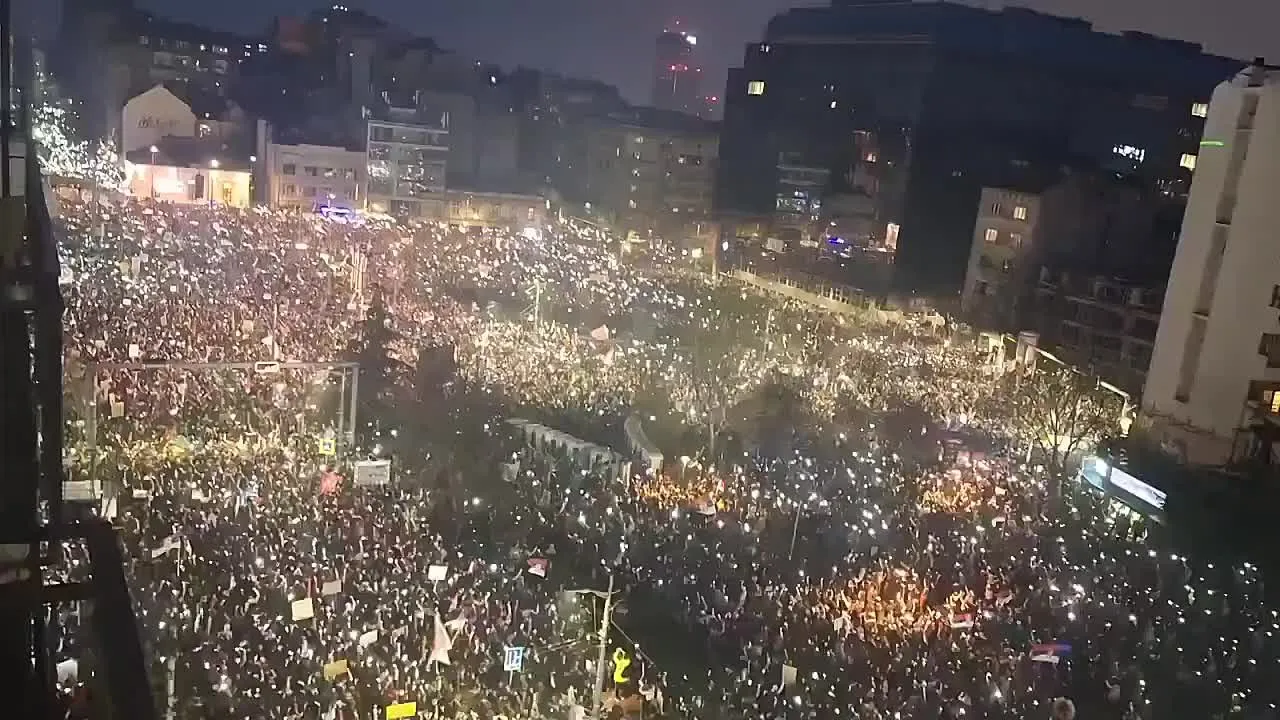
(711,444)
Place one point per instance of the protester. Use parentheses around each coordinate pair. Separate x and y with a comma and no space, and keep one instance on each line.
(884,552)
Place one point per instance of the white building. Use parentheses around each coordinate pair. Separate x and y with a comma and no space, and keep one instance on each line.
(996,277)
(152,116)
(1216,359)
(305,176)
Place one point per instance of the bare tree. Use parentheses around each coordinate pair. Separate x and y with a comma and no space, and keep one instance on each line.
(723,362)
(1057,412)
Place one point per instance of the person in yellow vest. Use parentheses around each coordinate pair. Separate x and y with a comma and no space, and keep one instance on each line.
(621,661)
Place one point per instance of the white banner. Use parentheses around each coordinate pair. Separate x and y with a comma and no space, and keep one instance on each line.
(373,473)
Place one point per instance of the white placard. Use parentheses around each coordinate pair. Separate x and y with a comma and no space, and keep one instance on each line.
(436,573)
(331,587)
(303,609)
(373,473)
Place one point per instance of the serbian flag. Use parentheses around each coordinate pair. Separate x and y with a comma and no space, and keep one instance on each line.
(1050,652)
(961,620)
(538,566)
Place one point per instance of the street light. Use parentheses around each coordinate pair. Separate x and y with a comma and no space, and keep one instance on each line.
(152,171)
(597,697)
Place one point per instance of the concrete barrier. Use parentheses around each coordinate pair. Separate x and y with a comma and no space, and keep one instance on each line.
(640,443)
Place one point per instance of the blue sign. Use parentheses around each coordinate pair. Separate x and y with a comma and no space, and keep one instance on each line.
(513,659)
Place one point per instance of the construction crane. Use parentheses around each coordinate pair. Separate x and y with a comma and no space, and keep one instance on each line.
(34,522)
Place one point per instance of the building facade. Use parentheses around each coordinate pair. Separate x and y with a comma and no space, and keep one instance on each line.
(1105,324)
(496,210)
(676,75)
(1216,363)
(1001,258)
(308,176)
(953,98)
(150,117)
(406,159)
(651,171)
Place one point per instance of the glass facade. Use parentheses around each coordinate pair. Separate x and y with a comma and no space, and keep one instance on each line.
(406,167)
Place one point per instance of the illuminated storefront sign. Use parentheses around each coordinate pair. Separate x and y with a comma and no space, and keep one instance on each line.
(1123,486)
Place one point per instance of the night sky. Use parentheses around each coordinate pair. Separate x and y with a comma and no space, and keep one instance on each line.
(613,39)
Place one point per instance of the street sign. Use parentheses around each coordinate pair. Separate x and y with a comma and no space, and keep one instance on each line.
(513,659)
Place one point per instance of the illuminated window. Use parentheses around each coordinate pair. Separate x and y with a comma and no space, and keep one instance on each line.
(1188,161)
(631,204)
(639,139)
(1019,212)
(1200,110)
(755,87)
(992,235)
(1015,240)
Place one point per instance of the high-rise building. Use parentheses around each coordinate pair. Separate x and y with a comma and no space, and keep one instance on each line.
(676,75)
(936,100)
(1215,367)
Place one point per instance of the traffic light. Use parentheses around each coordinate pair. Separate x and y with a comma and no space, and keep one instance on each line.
(621,661)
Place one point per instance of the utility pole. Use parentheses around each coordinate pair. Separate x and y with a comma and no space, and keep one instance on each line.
(537,302)
(606,619)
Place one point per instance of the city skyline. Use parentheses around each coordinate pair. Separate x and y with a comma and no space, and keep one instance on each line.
(614,42)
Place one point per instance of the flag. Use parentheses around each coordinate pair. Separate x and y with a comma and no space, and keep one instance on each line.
(329,483)
(789,673)
(173,542)
(538,566)
(440,644)
(1050,652)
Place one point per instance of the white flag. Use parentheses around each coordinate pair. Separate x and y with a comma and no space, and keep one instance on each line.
(440,644)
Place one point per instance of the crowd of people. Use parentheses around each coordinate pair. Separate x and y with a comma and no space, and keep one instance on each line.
(881,553)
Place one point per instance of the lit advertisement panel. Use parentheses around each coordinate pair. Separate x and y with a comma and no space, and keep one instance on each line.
(1123,486)
(1138,489)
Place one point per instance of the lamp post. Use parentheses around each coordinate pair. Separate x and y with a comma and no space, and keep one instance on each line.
(597,695)
(152,171)
(213,165)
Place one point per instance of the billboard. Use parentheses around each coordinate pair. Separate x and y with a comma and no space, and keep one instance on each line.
(1124,486)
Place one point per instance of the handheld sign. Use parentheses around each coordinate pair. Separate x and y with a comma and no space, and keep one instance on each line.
(513,659)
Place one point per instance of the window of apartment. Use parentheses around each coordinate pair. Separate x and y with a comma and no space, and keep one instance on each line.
(1019,212)
(220,50)
(220,66)
(311,171)
(1015,240)
(290,189)
(163,59)
(144,40)
(181,45)
(631,204)
(1269,347)
(1188,161)
(1200,110)
(992,235)
(755,87)
(995,208)
(185,60)
(635,172)
(289,169)
(639,139)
